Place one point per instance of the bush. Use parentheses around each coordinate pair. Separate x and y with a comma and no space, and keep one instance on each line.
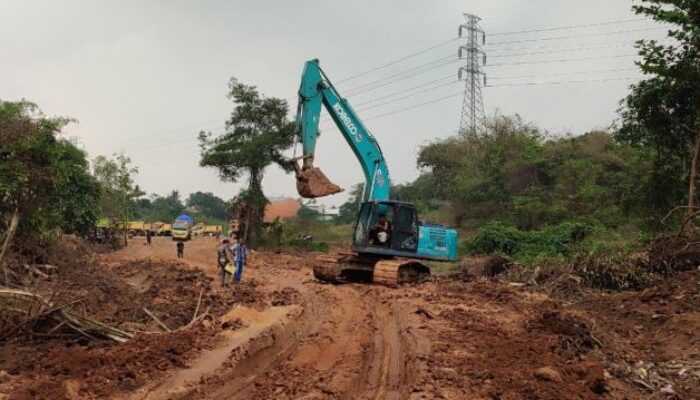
(561,239)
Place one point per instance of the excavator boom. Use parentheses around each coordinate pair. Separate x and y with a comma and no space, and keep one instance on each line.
(316,91)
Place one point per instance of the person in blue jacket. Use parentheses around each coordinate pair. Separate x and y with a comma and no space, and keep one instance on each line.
(239,252)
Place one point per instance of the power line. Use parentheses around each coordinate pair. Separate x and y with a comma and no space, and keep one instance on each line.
(168,132)
(561,82)
(408,96)
(402,78)
(439,99)
(563,74)
(563,50)
(562,60)
(572,36)
(414,106)
(568,27)
(222,130)
(428,64)
(621,42)
(378,68)
(325,118)
(405,90)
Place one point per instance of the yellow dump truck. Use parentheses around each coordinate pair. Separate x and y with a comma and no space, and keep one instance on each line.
(212,230)
(198,230)
(137,228)
(165,230)
(161,229)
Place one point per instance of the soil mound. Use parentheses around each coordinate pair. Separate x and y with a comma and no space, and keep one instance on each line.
(155,299)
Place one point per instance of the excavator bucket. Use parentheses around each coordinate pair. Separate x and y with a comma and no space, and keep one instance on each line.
(312,183)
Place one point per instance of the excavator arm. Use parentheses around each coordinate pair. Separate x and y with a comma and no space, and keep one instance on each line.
(316,91)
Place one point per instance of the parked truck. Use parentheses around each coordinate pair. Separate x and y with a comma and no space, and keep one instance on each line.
(212,230)
(182,228)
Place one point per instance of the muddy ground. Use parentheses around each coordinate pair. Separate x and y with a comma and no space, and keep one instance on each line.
(282,335)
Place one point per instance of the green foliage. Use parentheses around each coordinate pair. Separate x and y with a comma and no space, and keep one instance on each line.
(513,173)
(43,179)
(257,134)
(208,204)
(556,240)
(348,210)
(661,115)
(306,212)
(77,196)
(424,193)
(116,178)
(167,208)
(321,231)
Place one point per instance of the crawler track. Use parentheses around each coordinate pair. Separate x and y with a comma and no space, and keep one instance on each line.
(351,267)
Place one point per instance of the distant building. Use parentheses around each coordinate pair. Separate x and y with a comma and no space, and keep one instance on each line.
(324,213)
(283,209)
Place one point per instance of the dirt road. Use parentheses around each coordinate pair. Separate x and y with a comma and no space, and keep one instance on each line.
(318,341)
(282,335)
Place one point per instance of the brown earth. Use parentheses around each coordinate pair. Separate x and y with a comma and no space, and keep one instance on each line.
(282,335)
(312,183)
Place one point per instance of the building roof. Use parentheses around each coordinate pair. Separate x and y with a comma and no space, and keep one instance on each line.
(282,209)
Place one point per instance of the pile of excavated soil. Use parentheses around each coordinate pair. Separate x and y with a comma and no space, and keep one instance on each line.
(51,363)
(494,341)
(490,341)
(650,338)
(53,370)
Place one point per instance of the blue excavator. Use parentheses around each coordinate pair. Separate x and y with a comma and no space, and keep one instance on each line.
(389,243)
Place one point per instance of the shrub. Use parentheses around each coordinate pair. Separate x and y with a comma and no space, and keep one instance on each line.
(526,246)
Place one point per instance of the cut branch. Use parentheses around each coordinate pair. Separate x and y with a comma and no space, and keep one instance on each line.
(159,322)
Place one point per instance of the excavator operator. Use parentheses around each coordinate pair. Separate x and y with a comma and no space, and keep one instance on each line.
(381,231)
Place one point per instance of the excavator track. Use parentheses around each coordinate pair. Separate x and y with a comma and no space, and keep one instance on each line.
(399,271)
(327,269)
(388,272)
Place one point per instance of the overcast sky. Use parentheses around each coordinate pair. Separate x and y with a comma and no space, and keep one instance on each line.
(143,77)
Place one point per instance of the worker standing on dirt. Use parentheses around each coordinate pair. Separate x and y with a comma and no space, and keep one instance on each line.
(180,249)
(239,253)
(148,237)
(223,259)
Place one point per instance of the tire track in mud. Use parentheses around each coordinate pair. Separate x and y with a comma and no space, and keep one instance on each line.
(331,359)
(347,342)
(398,346)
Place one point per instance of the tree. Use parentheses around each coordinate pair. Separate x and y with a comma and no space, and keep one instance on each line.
(481,174)
(514,174)
(27,149)
(257,133)
(347,213)
(44,182)
(661,115)
(167,208)
(116,178)
(76,201)
(208,204)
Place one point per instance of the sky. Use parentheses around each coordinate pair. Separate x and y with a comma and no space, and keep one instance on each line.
(144,77)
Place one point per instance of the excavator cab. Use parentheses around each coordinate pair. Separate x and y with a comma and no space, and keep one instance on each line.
(386,227)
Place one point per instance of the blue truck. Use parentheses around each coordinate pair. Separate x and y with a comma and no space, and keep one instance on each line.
(181,229)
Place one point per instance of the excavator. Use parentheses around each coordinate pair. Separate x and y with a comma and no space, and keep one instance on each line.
(390,245)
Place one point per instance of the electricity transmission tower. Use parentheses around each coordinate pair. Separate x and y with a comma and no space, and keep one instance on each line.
(473,104)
